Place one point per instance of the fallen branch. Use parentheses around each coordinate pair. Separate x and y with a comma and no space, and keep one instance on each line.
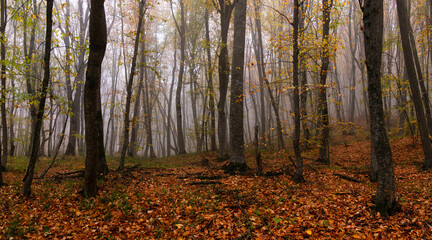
(348,178)
(204,183)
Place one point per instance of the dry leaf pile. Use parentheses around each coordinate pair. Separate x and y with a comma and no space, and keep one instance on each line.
(204,203)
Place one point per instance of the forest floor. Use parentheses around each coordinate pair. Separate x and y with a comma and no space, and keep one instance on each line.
(179,198)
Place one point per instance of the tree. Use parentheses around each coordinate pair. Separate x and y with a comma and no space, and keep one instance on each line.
(210,84)
(92,109)
(182,32)
(385,199)
(28,178)
(81,65)
(259,53)
(414,77)
(225,10)
(4,141)
(237,158)
(298,176)
(126,122)
(323,106)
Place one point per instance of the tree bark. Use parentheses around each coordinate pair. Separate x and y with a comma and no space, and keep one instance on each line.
(92,110)
(210,86)
(28,178)
(225,11)
(76,104)
(182,32)
(126,120)
(3,22)
(324,150)
(385,201)
(237,158)
(404,25)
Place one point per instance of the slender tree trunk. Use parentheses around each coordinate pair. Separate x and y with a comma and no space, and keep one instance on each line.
(28,178)
(413,74)
(225,11)
(168,119)
(3,22)
(324,150)
(385,201)
(126,122)
(298,176)
(76,104)
(92,110)
(182,32)
(237,159)
(135,120)
(210,86)
(148,109)
(259,53)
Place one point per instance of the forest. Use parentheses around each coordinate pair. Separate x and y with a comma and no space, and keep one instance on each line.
(215,119)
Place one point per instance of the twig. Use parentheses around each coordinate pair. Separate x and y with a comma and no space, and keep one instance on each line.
(348,178)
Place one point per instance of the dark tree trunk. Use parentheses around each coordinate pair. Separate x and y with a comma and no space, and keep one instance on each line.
(324,150)
(4,142)
(385,201)
(237,158)
(92,110)
(225,11)
(404,25)
(298,176)
(28,178)
(126,122)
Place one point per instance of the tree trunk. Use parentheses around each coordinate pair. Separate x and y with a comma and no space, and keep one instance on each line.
(324,150)
(237,159)
(168,118)
(3,22)
(385,201)
(182,32)
(210,86)
(74,128)
(28,178)
(223,70)
(298,176)
(92,110)
(413,74)
(133,146)
(259,53)
(126,122)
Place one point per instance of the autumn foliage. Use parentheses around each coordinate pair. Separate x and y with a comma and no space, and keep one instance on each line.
(186,200)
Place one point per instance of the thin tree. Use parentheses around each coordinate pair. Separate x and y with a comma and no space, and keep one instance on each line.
(298,176)
(182,32)
(324,149)
(92,110)
(225,11)
(259,53)
(126,121)
(237,158)
(28,178)
(210,83)
(373,12)
(414,78)
(3,22)
(75,117)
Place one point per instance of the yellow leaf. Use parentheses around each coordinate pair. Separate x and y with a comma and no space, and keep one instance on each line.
(309,232)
